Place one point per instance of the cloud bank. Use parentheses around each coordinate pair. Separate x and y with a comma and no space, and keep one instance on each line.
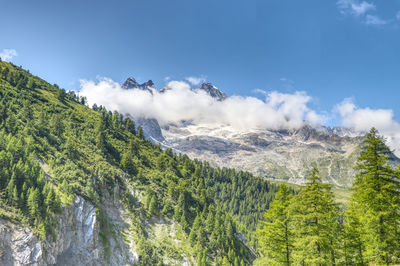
(180,103)
(8,54)
(362,119)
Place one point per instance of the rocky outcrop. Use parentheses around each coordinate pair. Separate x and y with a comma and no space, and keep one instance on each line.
(131,83)
(211,90)
(77,241)
(151,128)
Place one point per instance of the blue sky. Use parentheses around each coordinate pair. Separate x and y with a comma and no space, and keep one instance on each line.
(330,49)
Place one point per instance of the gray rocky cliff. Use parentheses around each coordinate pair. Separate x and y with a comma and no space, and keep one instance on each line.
(131,83)
(77,240)
(151,128)
(213,91)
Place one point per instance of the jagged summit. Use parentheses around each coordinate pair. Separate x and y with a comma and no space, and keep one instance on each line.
(213,91)
(131,83)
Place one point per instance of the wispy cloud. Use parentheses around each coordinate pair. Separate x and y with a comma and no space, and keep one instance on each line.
(196,80)
(398,15)
(260,91)
(355,7)
(374,20)
(8,54)
(286,80)
(362,10)
(287,83)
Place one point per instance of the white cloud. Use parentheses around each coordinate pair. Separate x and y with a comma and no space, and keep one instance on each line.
(278,110)
(8,54)
(346,107)
(286,80)
(363,119)
(362,10)
(354,7)
(260,91)
(195,81)
(398,15)
(374,20)
(179,102)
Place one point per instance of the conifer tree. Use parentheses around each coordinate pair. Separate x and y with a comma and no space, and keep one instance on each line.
(375,202)
(130,126)
(101,140)
(153,206)
(315,221)
(276,235)
(127,164)
(353,245)
(140,133)
(34,202)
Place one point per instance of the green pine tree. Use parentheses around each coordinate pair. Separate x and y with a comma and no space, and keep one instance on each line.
(315,221)
(375,203)
(276,234)
(153,206)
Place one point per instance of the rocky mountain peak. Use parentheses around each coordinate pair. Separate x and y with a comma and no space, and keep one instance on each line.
(213,91)
(131,83)
(149,83)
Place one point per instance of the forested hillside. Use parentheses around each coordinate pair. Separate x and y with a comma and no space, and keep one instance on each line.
(55,150)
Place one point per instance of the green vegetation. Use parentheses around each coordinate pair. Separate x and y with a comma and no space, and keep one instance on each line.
(311,229)
(54,148)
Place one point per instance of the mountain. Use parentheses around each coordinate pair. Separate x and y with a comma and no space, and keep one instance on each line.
(151,129)
(131,83)
(150,126)
(81,186)
(211,90)
(286,154)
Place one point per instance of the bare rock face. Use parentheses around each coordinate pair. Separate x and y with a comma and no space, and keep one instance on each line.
(19,246)
(131,83)
(283,154)
(211,90)
(77,241)
(151,129)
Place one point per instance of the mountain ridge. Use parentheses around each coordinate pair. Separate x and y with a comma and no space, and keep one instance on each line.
(208,88)
(278,154)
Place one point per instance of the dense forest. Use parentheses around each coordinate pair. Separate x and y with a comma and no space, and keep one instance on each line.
(310,228)
(53,147)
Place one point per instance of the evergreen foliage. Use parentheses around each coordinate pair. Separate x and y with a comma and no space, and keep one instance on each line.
(277,234)
(373,216)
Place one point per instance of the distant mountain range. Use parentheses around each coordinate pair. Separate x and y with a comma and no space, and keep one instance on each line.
(284,154)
